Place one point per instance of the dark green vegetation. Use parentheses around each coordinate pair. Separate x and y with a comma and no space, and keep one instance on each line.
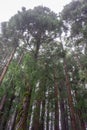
(43,68)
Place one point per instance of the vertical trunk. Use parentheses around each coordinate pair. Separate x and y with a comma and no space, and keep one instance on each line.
(56,101)
(37,50)
(66,119)
(81,120)
(36,122)
(47,119)
(63,105)
(63,113)
(79,114)
(6,66)
(70,100)
(42,116)
(21,122)
(52,118)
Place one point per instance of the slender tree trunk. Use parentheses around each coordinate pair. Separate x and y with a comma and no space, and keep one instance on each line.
(3,101)
(37,49)
(63,112)
(2,108)
(5,97)
(79,114)
(42,115)
(6,66)
(66,115)
(36,122)
(63,107)
(56,101)
(12,126)
(47,119)
(70,100)
(6,114)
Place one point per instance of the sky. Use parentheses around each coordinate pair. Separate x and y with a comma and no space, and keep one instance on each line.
(10,7)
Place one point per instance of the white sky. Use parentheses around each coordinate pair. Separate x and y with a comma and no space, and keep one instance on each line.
(10,7)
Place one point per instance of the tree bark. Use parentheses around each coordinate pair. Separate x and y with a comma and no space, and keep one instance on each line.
(42,115)
(62,109)
(12,126)
(47,119)
(79,114)
(21,122)
(3,101)
(6,114)
(6,66)
(36,121)
(56,101)
(68,87)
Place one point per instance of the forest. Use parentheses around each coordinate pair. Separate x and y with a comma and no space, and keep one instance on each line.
(43,69)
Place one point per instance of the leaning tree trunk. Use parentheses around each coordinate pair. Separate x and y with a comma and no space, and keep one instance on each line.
(5,97)
(3,101)
(6,114)
(13,121)
(6,66)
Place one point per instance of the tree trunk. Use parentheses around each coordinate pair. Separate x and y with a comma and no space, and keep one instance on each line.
(12,126)
(21,122)
(62,110)
(3,101)
(70,100)
(36,122)
(6,66)
(56,101)
(42,115)
(47,119)
(79,114)
(66,111)
(68,87)
(6,114)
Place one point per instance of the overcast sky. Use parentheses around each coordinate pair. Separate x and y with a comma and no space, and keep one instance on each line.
(9,7)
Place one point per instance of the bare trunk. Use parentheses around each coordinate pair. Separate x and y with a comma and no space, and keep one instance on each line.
(56,101)
(36,122)
(3,101)
(42,116)
(79,114)
(6,114)
(47,119)
(12,126)
(68,87)
(6,66)
(64,124)
(63,115)
(70,100)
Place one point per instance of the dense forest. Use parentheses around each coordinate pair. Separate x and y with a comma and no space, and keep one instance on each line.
(43,69)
